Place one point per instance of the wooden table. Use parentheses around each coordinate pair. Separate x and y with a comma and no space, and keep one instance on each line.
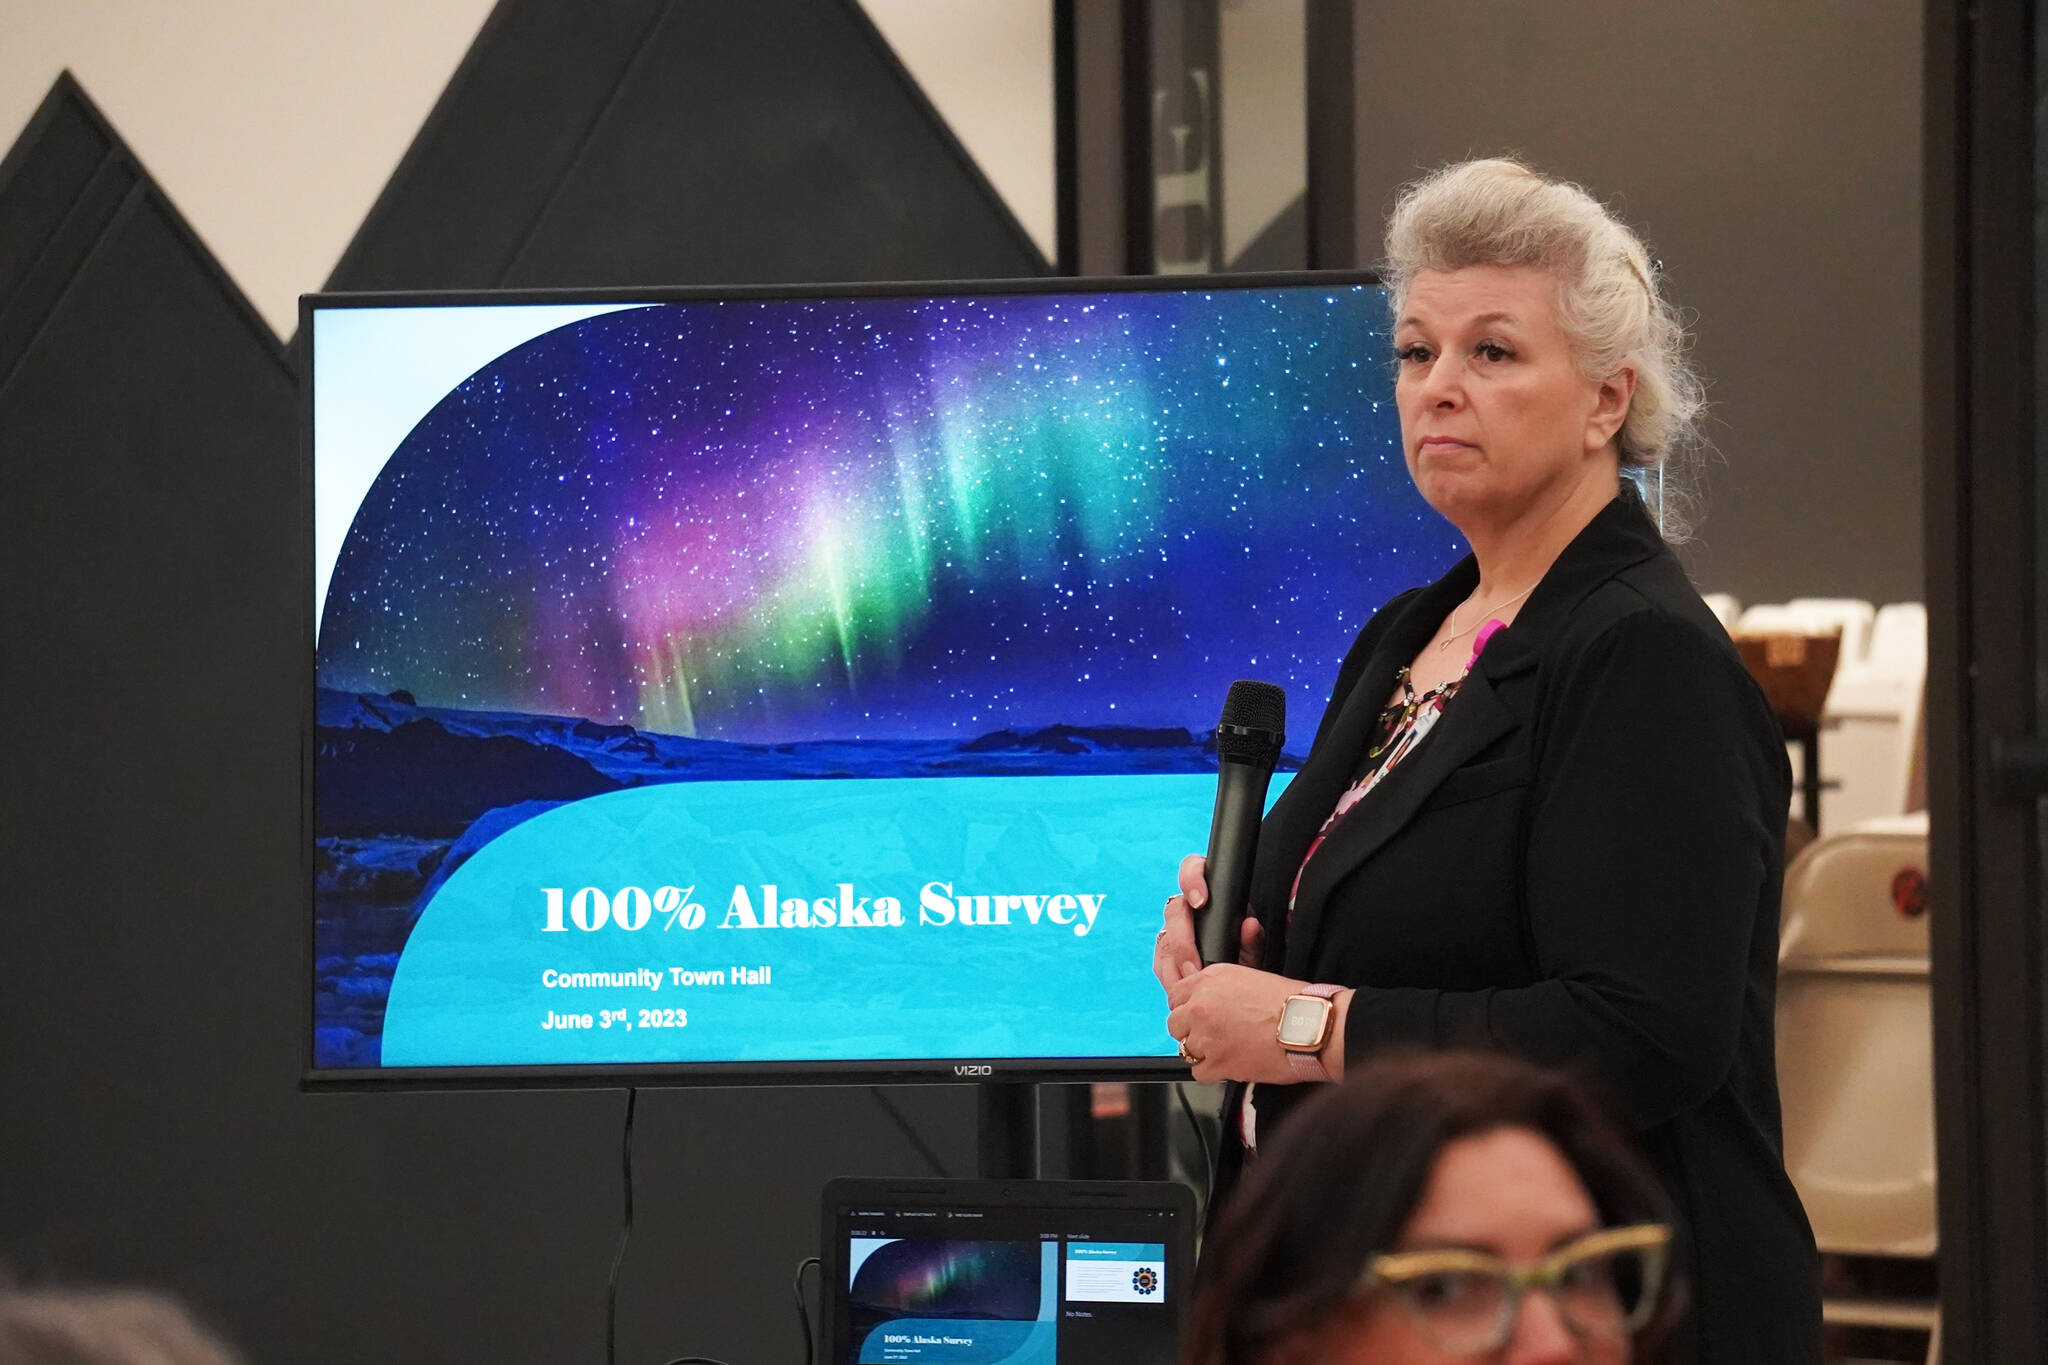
(1795,672)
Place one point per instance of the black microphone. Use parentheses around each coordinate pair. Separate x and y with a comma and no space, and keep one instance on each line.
(1248,740)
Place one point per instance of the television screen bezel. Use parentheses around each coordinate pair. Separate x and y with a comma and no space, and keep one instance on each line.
(949,1070)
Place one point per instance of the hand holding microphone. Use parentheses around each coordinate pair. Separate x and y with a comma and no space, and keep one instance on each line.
(1206,922)
(1175,952)
(1248,739)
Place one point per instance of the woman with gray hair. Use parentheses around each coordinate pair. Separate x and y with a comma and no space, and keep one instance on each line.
(1544,812)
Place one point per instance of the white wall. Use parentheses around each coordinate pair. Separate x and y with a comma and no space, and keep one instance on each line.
(986,66)
(1265,114)
(273,124)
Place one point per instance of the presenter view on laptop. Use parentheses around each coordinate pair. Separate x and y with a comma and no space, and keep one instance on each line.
(1025,1272)
(1544,811)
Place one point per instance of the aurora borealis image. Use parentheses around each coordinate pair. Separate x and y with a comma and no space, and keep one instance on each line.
(893,518)
(951,1279)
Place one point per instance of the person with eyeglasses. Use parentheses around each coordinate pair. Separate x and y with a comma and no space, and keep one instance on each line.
(1438,1208)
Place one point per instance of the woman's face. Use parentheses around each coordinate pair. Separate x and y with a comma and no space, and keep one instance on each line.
(1496,419)
(1509,1193)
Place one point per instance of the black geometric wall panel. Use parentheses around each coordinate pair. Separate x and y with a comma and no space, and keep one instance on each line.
(683,142)
(146,442)
(153,669)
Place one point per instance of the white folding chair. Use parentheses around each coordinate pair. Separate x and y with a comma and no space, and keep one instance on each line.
(1844,616)
(1855,1056)
(1871,721)
(1852,616)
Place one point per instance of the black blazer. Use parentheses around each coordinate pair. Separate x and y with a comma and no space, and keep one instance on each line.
(1581,866)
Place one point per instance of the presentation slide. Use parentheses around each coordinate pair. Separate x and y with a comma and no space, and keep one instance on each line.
(955,1302)
(813,680)
(1116,1272)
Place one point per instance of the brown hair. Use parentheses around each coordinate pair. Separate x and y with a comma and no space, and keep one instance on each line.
(102,1327)
(1340,1181)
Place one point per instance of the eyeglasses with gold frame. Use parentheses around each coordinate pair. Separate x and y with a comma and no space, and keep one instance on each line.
(1465,1302)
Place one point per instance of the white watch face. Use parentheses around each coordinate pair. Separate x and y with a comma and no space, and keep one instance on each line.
(1301,1021)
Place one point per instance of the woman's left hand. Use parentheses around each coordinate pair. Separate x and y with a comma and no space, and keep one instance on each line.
(1227,1020)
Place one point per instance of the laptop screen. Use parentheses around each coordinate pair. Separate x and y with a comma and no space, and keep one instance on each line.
(1026,1273)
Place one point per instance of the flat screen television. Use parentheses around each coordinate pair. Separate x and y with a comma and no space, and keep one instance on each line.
(775,685)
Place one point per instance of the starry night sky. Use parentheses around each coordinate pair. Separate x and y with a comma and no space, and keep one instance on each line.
(894,518)
(952,1279)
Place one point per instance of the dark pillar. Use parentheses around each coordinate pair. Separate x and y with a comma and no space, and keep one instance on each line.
(1009,1131)
(1332,136)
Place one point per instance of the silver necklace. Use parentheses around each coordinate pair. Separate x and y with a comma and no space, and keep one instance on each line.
(1453,638)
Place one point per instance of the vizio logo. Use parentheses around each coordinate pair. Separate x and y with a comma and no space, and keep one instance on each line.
(974,1069)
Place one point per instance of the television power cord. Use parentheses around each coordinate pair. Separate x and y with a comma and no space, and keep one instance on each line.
(611,1288)
(1208,1157)
(611,1291)
(803,1311)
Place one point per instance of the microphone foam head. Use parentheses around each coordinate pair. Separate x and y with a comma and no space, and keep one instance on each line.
(1253,706)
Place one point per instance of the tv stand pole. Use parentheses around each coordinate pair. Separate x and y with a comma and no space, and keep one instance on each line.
(1008,1125)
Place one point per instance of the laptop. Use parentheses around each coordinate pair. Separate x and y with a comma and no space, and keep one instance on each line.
(1023,1272)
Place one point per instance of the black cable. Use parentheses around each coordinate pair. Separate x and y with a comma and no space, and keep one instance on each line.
(924,1148)
(611,1289)
(1202,1139)
(803,1310)
(694,1360)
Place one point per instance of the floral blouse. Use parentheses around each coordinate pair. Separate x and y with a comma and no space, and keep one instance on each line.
(1402,725)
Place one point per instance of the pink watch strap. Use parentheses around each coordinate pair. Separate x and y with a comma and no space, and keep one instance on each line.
(1308,1066)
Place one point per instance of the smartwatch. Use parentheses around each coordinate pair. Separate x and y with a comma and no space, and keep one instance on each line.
(1306,1021)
